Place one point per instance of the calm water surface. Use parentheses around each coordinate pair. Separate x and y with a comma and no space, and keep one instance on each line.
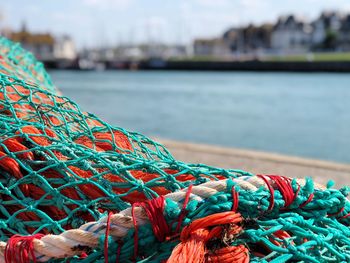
(291,113)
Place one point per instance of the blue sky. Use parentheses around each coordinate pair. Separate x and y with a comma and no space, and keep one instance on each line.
(108,22)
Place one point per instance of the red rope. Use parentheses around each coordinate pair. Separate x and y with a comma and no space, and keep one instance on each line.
(108,226)
(272,192)
(337,213)
(136,235)
(183,210)
(346,216)
(311,196)
(20,249)
(234,199)
(284,185)
(118,252)
(155,211)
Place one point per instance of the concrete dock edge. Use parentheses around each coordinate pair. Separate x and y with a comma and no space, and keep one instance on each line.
(260,162)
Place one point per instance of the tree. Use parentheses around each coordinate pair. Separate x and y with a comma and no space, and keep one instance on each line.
(330,40)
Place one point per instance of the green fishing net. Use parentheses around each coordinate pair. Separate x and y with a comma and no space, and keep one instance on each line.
(61,167)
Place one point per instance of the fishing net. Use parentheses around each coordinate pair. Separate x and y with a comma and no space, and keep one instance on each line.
(75,189)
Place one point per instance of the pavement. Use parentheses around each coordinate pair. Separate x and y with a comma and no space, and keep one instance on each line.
(260,162)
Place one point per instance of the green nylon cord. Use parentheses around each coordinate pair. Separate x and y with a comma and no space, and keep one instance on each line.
(328,239)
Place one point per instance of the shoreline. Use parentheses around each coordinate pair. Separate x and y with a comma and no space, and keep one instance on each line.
(260,162)
(188,65)
(253,65)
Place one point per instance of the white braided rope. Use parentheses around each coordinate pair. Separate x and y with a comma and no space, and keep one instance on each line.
(62,245)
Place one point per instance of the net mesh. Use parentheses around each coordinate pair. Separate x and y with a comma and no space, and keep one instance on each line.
(61,167)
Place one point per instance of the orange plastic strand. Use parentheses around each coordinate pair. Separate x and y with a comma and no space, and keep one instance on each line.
(34,135)
(23,216)
(229,217)
(86,141)
(10,165)
(136,196)
(50,133)
(181,177)
(194,238)
(69,192)
(90,190)
(14,146)
(93,122)
(192,250)
(35,192)
(106,141)
(122,141)
(238,254)
(281,234)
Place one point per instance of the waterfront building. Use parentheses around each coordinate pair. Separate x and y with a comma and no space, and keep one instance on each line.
(249,39)
(44,46)
(64,48)
(291,35)
(326,26)
(344,34)
(216,47)
(41,45)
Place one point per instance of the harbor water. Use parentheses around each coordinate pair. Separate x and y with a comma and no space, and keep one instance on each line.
(299,114)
